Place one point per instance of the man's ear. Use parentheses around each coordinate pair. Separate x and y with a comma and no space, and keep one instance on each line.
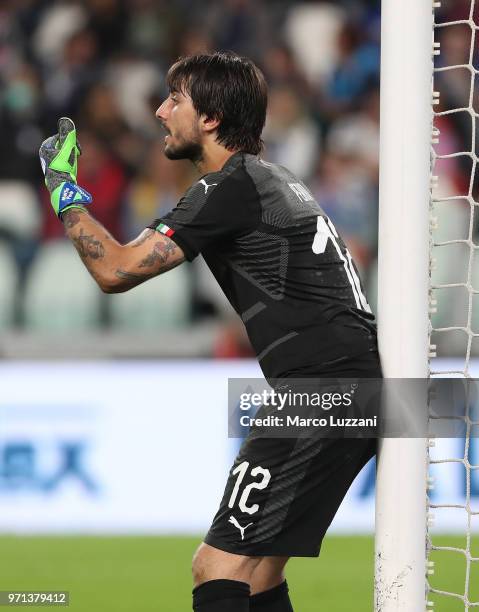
(209,124)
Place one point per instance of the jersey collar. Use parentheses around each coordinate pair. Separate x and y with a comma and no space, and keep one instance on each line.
(233,161)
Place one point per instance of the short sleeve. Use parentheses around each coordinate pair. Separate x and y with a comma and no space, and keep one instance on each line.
(215,209)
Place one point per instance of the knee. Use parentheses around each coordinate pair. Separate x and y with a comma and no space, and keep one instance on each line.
(210,563)
(268,574)
(199,565)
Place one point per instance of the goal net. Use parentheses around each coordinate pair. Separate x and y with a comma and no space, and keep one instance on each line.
(454,300)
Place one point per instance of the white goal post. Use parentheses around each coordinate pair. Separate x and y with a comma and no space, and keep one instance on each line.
(403,283)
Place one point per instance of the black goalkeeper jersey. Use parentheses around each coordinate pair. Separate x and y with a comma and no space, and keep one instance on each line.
(280,263)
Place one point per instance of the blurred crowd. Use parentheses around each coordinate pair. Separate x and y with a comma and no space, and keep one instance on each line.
(103,62)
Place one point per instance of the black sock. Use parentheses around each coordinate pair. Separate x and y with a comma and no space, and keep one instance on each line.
(273,600)
(221,596)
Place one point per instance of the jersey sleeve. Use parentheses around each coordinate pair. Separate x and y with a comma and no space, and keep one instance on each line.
(213,210)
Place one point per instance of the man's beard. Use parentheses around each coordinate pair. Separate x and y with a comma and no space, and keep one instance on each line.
(186,150)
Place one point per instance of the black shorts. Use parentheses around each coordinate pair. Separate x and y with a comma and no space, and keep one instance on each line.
(283,493)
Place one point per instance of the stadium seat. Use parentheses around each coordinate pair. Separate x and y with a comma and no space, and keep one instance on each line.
(160,303)
(19,213)
(8,285)
(452,224)
(475,298)
(60,295)
(450,266)
(452,302)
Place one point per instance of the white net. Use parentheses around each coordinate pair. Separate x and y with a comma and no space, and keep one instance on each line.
(454,464)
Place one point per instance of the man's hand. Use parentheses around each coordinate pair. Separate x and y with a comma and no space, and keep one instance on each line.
(58,156)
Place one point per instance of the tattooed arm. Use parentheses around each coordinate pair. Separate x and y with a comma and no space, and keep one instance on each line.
(115,267)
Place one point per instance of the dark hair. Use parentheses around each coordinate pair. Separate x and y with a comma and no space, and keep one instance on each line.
(227,87)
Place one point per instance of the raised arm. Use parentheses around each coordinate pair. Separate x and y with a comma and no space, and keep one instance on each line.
(115,267)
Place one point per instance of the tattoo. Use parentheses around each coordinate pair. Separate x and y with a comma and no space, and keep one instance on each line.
(131,276)
(160,254)
(71,217)
(160,259)
(89,246)
(131,279)
(143,237)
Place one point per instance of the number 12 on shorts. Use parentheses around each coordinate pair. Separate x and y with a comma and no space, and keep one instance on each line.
(242,470)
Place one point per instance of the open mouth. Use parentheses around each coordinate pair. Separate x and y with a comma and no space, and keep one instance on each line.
(168,133)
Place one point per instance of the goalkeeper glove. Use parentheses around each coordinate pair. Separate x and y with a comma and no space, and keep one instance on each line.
(58,156)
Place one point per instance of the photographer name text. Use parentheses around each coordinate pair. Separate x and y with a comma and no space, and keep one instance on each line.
(297,421)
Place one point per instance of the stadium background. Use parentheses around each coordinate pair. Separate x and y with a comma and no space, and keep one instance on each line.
(113,408)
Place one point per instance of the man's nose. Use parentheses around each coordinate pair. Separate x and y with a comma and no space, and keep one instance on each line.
(161,112)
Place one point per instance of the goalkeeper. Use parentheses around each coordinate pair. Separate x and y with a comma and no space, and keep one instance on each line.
(290,278)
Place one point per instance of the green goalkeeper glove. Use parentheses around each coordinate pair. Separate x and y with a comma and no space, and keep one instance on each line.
(58,156)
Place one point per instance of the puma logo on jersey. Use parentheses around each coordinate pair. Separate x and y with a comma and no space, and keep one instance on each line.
(234,522)
(300,190)
(206,186)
